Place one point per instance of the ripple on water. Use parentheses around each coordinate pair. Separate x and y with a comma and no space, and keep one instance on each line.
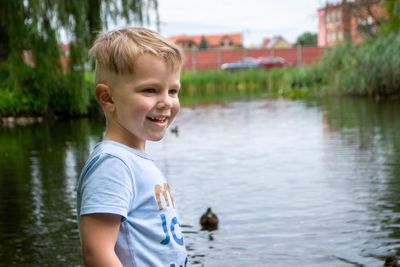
(286,191)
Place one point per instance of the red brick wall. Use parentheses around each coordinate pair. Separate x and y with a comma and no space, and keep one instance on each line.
(212,59)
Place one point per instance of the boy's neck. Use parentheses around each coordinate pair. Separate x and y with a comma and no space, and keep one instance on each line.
(115,132)
(117,138)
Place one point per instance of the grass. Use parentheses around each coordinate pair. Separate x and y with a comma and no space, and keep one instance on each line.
(214,86)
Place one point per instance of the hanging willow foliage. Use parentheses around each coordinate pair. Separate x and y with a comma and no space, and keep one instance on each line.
(31,32)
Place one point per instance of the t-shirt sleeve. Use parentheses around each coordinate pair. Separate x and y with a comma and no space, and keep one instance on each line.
(107,187)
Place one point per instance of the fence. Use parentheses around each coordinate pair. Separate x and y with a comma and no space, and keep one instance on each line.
(212,59)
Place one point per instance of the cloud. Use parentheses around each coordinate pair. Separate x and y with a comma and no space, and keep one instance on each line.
(255,19)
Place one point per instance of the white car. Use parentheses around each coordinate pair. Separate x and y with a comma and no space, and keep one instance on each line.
(244,63)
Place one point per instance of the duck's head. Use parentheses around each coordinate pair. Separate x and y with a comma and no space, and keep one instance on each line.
(209,212)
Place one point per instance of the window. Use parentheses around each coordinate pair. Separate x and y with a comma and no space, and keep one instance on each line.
(226,43)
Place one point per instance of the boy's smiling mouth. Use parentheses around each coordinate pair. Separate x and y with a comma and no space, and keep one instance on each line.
(158,118)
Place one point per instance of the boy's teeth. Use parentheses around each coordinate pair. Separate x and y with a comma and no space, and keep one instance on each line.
(158,118)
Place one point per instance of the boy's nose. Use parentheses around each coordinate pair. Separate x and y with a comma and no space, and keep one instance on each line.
(165,102)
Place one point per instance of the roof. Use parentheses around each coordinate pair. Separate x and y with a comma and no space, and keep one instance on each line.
(212,40)
(274,41)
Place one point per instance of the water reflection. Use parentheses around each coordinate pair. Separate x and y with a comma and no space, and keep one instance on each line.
(39,166)
(293,183)
(371,130)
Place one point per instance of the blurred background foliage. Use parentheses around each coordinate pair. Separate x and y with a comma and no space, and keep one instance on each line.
(33,79)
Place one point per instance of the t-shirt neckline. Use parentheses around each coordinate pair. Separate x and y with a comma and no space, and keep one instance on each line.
(131,149)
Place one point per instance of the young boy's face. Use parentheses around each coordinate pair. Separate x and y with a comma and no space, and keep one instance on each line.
(145,103)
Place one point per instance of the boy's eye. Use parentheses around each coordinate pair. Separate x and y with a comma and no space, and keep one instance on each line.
(149,90)
(173,91)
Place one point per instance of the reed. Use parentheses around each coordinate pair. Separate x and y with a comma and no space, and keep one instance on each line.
(369,69)
(375,68)
(206,86)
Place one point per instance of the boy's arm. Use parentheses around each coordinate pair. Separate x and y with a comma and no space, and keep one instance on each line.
(99,233)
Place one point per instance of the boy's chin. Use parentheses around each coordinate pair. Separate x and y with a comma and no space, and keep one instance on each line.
(156,138)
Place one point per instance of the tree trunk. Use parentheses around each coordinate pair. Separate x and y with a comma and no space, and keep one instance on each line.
(3,43)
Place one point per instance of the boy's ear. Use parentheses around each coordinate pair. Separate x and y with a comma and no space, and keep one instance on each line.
(104,97)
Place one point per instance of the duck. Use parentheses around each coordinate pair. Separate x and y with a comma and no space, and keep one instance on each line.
(209,221)
(175,130)
(391,261)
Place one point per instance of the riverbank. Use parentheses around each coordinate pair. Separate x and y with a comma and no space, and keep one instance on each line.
(371,70)
(20,121)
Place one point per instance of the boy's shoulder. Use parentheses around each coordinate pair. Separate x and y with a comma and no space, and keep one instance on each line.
(113,155)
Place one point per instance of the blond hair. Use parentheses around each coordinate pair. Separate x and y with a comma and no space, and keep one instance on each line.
(117,51)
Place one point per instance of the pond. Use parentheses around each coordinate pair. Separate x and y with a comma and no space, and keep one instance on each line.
(294,183)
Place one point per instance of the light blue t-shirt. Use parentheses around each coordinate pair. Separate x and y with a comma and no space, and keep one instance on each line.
(120,180)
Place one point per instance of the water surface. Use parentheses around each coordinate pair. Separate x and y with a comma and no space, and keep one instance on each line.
(293,183)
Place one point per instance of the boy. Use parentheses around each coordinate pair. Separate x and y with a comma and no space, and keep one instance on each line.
(126,212)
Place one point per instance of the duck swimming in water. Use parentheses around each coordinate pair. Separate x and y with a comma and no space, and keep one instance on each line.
(175,130)
(209,221)
(391,261)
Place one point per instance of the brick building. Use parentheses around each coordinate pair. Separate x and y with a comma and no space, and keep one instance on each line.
(347,20)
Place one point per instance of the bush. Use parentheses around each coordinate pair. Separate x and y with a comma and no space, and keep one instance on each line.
(12,104)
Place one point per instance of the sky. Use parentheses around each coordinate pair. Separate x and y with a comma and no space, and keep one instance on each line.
(255,19)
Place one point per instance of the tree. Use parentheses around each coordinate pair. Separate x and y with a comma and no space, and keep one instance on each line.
(307,38)
(367,16)
(392,22)
(30,32)
(203,43)
(374,17)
